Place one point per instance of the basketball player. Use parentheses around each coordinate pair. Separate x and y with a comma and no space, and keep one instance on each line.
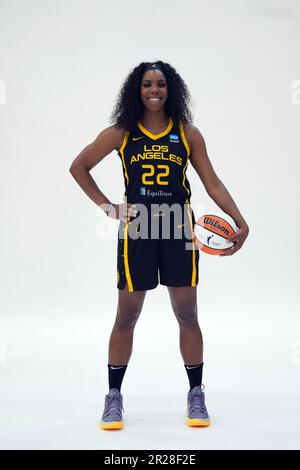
(155,139)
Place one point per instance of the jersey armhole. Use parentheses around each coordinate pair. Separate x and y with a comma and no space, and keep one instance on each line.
(185,142)
(121,153)
(124,142)
(124,139)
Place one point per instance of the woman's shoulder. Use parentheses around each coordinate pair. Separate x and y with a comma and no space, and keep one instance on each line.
(189,129)
(190,132)
(117,134)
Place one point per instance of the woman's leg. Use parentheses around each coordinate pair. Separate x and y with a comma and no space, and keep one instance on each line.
(184,304)
(120,347)
(128,310)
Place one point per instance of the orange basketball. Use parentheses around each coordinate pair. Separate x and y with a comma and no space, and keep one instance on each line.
(212,233)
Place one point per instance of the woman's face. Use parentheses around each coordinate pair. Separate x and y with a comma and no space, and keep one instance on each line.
(154,90)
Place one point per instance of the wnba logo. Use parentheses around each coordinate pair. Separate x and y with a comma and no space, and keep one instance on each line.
(174,138)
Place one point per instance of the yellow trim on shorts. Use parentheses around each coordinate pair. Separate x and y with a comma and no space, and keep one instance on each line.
(126,263)
(194,270)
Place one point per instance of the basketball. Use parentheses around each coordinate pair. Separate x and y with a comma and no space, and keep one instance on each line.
(212,233)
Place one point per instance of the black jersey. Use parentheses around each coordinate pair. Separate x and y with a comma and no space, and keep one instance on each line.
(154,165)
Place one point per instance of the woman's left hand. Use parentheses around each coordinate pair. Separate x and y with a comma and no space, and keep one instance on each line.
(238,238)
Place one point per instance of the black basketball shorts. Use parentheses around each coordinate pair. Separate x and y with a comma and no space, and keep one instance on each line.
(158,247)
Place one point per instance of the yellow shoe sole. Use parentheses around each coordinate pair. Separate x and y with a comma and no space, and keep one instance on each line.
(194,422)
(112,425)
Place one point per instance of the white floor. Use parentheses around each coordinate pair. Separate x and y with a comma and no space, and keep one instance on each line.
(54,377)
(152,423)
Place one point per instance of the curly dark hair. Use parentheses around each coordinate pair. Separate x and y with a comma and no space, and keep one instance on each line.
(129,107)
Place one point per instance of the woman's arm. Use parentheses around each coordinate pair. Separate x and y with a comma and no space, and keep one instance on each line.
(107,141)
(214,186)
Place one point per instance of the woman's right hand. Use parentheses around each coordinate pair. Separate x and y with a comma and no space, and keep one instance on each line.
(121,211)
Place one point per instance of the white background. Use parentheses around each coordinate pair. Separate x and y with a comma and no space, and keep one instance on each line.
(62,65)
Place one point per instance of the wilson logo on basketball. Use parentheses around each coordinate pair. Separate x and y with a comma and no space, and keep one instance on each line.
(216,224)
(212,233)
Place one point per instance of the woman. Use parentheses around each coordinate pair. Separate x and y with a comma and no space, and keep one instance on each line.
(154,136)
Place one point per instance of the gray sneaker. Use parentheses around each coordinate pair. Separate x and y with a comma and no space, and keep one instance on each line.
(112,414)
(196,410)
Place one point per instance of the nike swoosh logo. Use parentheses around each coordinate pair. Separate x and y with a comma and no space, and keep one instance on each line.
(117,367)
(182,225)
(194,367)
(137,138)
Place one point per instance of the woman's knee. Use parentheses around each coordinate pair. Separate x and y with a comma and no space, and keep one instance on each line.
(186,315)
(129,308)
(127,317)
